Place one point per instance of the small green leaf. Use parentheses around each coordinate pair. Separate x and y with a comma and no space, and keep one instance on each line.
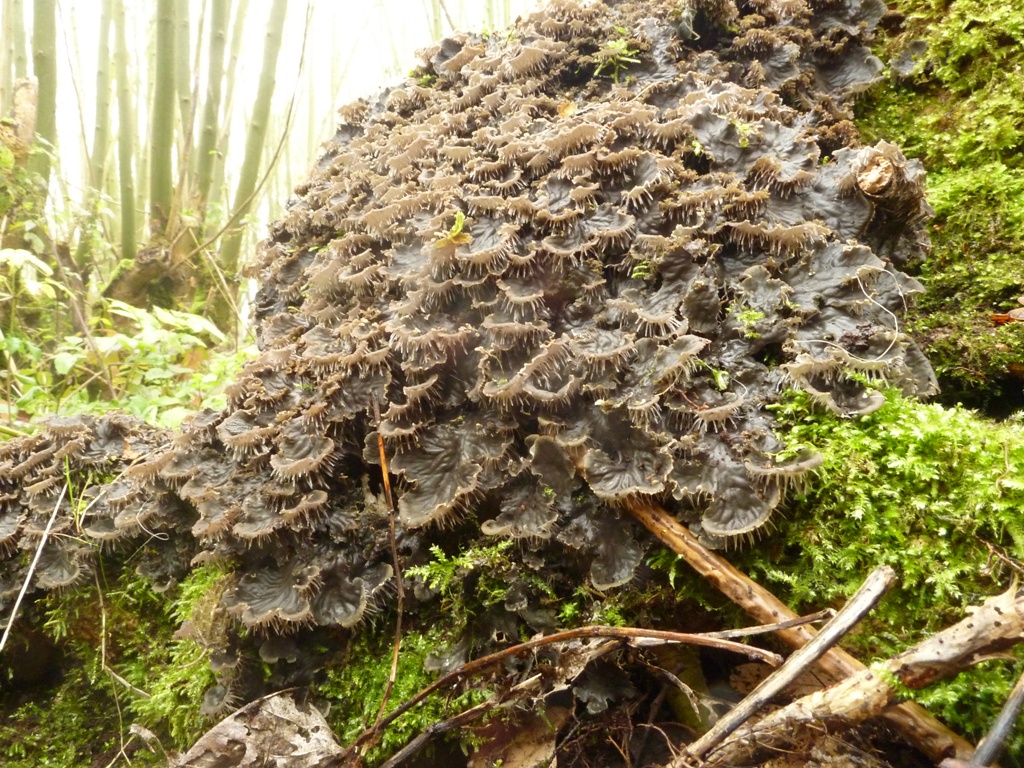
(65,361)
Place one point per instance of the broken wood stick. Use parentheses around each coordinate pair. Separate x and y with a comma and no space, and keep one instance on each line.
(991,746)
(866,598)
(989,628)
(913,721)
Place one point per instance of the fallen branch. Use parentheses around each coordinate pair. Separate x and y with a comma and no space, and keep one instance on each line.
(990,628)
(913,721)
(871,591)
(992,745)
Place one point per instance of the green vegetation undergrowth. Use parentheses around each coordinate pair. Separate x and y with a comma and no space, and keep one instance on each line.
(121,665)
(354,688)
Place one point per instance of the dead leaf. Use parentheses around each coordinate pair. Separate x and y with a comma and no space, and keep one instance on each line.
(278,731)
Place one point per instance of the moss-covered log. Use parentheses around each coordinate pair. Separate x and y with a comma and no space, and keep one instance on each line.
(568,268)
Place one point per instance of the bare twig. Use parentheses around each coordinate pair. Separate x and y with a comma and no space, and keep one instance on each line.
(991,627)
(447,16)
(439,729)
(992,745)
(762,629)
(393,675)
(871,591)
(633,635)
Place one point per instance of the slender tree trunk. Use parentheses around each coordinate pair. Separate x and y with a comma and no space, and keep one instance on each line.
(20,40)
(220,12)
(142,160)
(101,131)
(436,30)
(94,180)
(237,37)
(183,65)
(125,135)
(254,140)
(44,62)
(7,22)
(161,179)
(313,137)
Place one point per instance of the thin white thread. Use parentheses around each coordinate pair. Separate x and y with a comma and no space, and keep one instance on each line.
(895,322)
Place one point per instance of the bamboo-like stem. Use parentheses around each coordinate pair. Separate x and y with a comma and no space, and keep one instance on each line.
(161,114)
(66,24)
(218,186)
(101,129)
(258,124)
(44,64)
(436,30)
(20,40)
(220,11)
(125,135)
(143,60)
(97,156)
(183,65)
(7,22)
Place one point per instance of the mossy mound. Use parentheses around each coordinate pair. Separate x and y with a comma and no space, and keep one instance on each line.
(952,99)
(548,274)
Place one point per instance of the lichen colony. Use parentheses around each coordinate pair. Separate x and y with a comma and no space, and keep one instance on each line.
(548,290)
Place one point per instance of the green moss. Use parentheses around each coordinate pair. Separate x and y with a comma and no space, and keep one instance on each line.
(73,726)
(87,712)
(176,672)
(934,492)
(961,113)
(355,687)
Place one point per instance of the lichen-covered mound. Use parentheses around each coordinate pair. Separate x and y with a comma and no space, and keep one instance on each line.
(540,274)
(552,272)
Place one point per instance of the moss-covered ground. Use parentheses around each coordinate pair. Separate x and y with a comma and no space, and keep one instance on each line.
(954,98)
(934,490)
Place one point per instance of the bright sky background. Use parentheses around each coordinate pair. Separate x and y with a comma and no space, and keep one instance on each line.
(354,48)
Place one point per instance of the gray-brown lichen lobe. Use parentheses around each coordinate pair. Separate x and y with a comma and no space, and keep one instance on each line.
(641,266)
